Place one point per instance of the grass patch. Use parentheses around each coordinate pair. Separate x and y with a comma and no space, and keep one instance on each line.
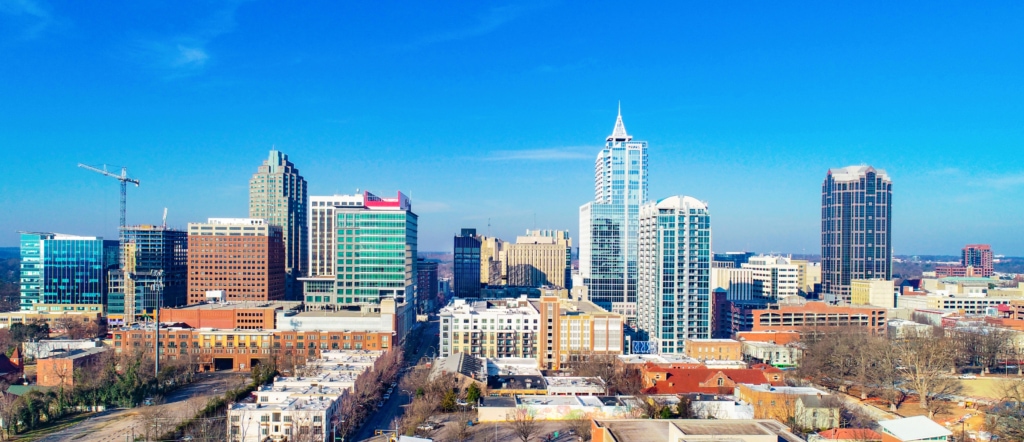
(59,425)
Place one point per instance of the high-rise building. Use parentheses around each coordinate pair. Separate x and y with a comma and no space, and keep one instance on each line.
(65,272)
(609,224)
(466,267)
(540,258)
(277,194)
(775,277)
(492,268)
(241,257)
(374,247)
(978,256)
(426,284)
(154,269)
(856,229)
(674,299)
(323,217)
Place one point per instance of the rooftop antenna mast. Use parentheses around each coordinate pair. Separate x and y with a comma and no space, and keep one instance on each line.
(165,217)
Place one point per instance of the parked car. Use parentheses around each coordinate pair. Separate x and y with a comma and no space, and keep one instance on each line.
(387,396)
(380,404)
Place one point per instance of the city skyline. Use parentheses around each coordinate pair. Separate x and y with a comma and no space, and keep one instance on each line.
(754,135)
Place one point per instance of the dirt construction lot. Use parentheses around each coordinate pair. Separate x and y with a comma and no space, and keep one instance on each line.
(117,425)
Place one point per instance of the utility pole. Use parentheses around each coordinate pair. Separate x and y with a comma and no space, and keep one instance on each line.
(158,291)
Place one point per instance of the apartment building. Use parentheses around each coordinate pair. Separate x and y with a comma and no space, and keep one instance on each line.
(573,330)
(490,328)
(553,329)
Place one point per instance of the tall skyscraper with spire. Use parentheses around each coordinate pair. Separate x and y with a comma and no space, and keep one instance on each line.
(609,225)
(277,194)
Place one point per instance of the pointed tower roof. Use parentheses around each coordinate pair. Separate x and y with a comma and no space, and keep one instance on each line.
(619,133)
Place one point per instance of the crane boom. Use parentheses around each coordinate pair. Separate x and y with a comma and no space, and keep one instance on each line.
(123,178)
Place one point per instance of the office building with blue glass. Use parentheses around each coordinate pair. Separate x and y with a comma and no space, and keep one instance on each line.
(609,225)
(466,265)
(65,272)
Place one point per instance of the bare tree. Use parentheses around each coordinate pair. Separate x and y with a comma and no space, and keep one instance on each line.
(925,362)
(1006,418)
(524,423)
(580,422)
(459,432)
(8,413)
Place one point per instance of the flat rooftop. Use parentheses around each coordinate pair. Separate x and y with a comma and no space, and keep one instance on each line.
(78,353)
(235,305)
(296,404)
(567,381)
(630,430)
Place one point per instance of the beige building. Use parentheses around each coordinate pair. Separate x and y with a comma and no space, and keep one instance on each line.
(739,283)
(491,266)
(876,292)
(520,328)
(714,349)
(540,258)
(574,329)
(808,275)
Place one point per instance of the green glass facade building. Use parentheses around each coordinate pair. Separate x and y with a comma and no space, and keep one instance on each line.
(375,255)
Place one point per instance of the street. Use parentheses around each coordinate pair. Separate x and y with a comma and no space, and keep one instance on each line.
(381,419)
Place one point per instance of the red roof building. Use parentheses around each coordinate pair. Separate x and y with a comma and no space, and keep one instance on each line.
(662,380)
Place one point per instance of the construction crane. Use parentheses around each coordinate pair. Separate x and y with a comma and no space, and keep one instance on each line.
(123,178)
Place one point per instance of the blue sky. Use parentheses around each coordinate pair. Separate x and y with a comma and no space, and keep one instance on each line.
(496,111)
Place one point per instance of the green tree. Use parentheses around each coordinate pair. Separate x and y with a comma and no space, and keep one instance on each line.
(665,413)
(472,394)
(448,403)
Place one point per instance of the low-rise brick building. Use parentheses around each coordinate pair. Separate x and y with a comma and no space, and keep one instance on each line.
(238,349)
(60,369)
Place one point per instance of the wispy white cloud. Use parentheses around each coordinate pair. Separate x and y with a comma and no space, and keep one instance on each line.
(555,154)
(486,23)
(32,16)
(1005,182)
(187,52)
(945,171)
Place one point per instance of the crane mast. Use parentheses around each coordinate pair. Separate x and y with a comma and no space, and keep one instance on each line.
(123,178)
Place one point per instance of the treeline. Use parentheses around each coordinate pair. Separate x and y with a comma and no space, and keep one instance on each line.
(922,363)
(123,380)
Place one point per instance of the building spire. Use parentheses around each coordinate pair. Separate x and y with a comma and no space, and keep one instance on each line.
(619,133)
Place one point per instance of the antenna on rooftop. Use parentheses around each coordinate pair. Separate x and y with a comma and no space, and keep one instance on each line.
(165,217)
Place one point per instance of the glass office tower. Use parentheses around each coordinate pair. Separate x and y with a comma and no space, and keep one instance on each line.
(277,194)
(156,257)
(609,225)
(674,302)
(856,229)
(65,272)
(466,267)
(375,254)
